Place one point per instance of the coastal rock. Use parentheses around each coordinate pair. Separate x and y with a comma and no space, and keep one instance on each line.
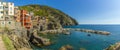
(19,39)
(39,41)
(67,47)
(66,32)
(114,47)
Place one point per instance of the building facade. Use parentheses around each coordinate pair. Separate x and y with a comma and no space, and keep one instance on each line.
(11,16)
(17,13)
(6,14)
(6,8)
(40,22)
(25,19)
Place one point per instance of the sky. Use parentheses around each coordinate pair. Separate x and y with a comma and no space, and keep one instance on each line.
(84,11)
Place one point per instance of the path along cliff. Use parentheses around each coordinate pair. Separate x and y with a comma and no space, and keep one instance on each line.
(2,46)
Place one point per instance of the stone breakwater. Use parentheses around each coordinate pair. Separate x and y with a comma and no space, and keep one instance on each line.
(64,31)
(67,31)
(90,31)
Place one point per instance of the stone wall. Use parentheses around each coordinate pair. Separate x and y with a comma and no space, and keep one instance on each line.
(7,24)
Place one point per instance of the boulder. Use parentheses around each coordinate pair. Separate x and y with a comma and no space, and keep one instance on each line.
(39,41)
(114,47)
(66,47)
(19,39)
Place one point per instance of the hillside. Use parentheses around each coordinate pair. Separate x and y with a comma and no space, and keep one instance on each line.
(52,14)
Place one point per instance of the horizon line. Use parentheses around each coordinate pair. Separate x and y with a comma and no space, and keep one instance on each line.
(102,24)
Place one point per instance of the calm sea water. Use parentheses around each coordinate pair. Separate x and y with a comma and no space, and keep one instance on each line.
(81,40)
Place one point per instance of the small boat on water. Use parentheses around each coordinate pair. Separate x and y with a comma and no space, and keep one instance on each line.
(88,34)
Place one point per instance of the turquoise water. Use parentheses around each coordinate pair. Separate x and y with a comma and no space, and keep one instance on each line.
(81,40)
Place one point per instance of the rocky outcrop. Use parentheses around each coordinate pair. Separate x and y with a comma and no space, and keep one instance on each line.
(20,39)
(66,47)
(114,47)
(39,41)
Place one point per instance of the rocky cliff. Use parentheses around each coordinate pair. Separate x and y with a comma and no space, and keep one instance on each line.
(19,38)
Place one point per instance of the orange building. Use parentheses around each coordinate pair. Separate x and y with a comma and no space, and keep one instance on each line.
(25,19)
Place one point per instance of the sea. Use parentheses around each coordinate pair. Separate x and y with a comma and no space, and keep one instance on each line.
(81,41)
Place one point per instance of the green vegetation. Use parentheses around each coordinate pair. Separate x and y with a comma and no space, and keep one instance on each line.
(7,42)
(50,13)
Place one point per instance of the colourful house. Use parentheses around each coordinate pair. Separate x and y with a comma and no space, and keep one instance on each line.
(25,19)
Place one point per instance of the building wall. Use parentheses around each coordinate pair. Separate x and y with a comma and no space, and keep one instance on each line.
(10,24)
(8,8)
(7,24)
(7,11)
(26,19)
(2,23)
(17,14)
(1,11)
(11,8)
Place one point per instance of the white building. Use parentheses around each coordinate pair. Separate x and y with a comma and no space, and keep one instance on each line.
(7,8)
(6,14)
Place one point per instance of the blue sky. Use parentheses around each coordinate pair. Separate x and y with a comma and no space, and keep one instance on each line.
(84,11)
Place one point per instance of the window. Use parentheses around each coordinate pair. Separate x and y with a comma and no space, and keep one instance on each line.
(1,12)
(7,12)
(9,22)
(26,23)
(1,16)
(5,7)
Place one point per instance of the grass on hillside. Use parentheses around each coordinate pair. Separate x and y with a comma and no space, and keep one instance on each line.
(7,42)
